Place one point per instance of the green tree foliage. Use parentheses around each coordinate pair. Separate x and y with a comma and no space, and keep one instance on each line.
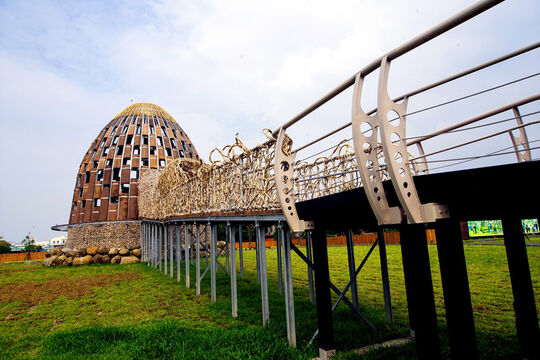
(5,247)
(29,244)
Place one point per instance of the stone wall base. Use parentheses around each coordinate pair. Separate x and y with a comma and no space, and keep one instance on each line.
(115,234)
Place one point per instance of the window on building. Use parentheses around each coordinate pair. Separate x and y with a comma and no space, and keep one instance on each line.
(138,129)
(152,150)
(129,139)
(93,154)
(97,202)
(145,139)
(163,131)
(99,175)
(108,162)
(119,149)
(160,141)
(145,161)
(146,119)
(133,119)
(115,140)
(162,162)
(83,204)
(134,173)
(152,130)
(173,143)
(126,161)
(80,192)
(183,144)
(181,152)
(87,177)
(105,151)
(94,164)
(116,174)
(174,133)
(125,129)
(114,200)
(125,188)
(169,152)
(136,150)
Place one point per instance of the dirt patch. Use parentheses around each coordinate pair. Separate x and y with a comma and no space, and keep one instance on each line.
(32,293)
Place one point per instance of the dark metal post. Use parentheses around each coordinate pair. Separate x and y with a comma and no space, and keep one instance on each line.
(213,245)
(261,245)
(322,288)
(279,259)
(284,234)
(520,276)
(171,253)
(165,248)
(384,276)
(457,297)
(352,268)
(197,261)
(419,288)
(309,269)
(234,301)
(241,251)
(186,252)
(178,251)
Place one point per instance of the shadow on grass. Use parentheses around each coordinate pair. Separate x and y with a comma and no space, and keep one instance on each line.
(168,340)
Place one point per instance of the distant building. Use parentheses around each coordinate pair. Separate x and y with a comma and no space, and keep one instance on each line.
(104,209)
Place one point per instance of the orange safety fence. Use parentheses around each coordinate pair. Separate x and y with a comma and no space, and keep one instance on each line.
(21,256)
(391,238)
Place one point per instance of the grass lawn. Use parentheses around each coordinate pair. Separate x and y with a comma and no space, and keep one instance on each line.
(134,311)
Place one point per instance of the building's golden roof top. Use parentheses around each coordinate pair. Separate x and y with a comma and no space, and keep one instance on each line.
(145,109)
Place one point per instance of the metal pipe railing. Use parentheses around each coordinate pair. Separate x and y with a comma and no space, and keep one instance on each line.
(437,30)
(434,85)
(476,118)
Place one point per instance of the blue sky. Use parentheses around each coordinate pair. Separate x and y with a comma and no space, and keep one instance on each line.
(221,67)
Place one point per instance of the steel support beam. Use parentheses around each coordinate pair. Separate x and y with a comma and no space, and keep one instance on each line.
(279,258)
(234,300)
(178,252)
(457,297)
(213,260)
(261,245)
(384,276)
(309,269)
(289,296)
(322,289)
(241,251)
(186,252)
(419,288)
(524,304)
(197,261)
(352,268)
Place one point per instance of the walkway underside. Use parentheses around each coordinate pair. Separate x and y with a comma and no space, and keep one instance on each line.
(476,194)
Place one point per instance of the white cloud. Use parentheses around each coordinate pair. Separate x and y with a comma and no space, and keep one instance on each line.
(221,67)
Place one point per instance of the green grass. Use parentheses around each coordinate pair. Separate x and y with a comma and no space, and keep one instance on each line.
(134,311)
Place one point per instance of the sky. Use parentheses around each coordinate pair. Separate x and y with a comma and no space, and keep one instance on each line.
(226,67)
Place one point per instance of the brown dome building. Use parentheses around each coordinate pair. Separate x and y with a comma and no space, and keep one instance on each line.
(143,136)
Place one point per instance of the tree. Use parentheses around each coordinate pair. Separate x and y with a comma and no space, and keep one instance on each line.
(29,244)
(5,247)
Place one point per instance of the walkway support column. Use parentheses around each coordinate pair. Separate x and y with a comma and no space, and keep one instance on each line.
(419,288)
(232,237)
(457,297)
(322,289)
(283,233)
(384,276)
(213,245)
(352,268)
(520,276)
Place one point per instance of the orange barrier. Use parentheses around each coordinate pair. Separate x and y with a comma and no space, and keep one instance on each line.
(391,238)
(21,256)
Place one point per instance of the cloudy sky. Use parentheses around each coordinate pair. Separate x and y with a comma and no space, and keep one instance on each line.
(221,67)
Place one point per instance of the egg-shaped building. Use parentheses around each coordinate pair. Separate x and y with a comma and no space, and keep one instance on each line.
(104,209)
